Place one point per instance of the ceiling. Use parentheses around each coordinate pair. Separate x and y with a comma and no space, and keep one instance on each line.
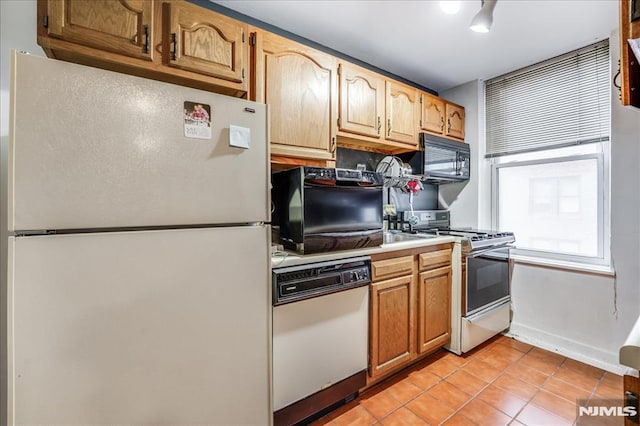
(417,41)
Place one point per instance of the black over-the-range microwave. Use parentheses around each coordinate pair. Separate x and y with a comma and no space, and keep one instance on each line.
(440,160)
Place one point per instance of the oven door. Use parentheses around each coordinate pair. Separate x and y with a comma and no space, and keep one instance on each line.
(487,279)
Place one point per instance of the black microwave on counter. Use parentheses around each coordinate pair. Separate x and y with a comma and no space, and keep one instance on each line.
(325,209)
(440,160)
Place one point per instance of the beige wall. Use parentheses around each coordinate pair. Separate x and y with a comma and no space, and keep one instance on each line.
(586,317)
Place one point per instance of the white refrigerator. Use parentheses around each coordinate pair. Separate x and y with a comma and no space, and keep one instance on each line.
(138,269)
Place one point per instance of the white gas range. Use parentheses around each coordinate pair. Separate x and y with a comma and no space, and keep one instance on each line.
(480,295)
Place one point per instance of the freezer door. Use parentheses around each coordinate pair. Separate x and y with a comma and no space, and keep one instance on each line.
(156,327)
(91,148)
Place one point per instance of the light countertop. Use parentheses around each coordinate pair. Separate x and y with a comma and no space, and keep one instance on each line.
(287,258)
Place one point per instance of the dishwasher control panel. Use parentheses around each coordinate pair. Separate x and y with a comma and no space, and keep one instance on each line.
(356,276)
(294,283)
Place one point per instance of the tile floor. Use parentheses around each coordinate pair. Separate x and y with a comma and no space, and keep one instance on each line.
(501,382)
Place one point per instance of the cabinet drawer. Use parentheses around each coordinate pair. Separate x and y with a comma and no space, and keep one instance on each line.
(390,268)
(434,259)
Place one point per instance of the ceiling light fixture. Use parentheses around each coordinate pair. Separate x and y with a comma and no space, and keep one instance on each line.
(450,7)
(481,23)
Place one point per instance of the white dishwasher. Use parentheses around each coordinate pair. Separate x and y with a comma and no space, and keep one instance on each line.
(320,335)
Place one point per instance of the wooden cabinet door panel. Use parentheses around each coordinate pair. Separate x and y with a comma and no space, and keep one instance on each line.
(433,112)
(434,309)
(389,268)
(392,324)
(361,101)
(434,259)
(455,121)
(401,113)
(204,42)
(299,84)
(119,26)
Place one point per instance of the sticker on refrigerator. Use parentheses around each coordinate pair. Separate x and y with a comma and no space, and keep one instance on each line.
(197,120)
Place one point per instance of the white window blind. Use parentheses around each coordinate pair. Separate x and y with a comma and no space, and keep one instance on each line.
(560,102)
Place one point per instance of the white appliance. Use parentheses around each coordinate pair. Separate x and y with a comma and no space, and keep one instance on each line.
(483,284)
(320,324)
(138,277)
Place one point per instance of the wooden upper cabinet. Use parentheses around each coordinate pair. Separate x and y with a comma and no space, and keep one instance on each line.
(402,104)
(124,27)
(432,114)
(209,50)
(361,101)
(204,42)
(629,64)
(454,126)
(300,85)
(441,117)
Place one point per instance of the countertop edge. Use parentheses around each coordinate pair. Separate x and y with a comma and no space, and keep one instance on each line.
(283,259)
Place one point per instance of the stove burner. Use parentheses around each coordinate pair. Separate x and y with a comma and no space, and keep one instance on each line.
(473,240)
(437,222)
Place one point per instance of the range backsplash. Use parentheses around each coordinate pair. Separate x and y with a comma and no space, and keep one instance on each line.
(426,199)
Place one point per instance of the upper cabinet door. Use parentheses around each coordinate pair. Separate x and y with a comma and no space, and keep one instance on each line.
(361,102)
(402,113)
(432,119)
(204,42)
(299,84)
(455,121)
(119,26)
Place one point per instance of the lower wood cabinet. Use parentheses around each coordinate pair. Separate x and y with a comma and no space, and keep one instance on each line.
(393,324)
(434,309)
(410,307)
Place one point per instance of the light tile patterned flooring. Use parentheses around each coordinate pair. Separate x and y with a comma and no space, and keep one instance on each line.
(501,382)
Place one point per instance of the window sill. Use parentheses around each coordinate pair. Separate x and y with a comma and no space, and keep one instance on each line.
(565,265)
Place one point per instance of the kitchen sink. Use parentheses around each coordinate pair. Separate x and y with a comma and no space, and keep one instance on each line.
(396,237)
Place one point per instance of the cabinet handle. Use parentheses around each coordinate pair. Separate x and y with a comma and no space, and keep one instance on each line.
(441,123)
(145,48)
(379,124)
(617,86)
(448,125)
(388,127)
(174,40)
(333,145)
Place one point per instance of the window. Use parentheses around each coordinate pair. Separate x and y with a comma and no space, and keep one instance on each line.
(549,155)
(554,203)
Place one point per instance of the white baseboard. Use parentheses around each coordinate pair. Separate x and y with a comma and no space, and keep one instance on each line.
(566,347)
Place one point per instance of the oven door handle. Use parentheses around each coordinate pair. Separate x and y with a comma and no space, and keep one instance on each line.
(488,310)
(480,253)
